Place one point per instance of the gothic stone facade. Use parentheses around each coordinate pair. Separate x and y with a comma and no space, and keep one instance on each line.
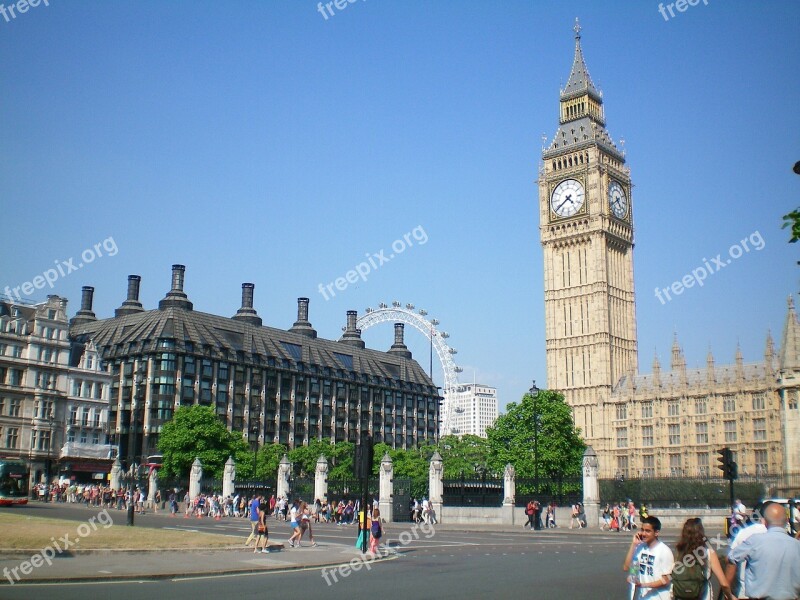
(656,424)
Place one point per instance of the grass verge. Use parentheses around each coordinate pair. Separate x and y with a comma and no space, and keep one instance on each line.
(24,532)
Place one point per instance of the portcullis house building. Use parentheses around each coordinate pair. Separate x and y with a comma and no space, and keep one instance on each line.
(272,385)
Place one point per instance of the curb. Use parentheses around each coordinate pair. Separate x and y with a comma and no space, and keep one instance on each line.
(9,552)
(184,575)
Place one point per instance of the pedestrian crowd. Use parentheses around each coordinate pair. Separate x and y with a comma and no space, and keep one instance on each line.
(762,562)
(95,495)
(621,516)
(545,517)
(422,511)
(302,516)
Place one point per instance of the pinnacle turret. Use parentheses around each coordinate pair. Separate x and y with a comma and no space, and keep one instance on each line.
(579,82)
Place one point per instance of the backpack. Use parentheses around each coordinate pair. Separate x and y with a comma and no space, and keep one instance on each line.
(375,529)
(688,583)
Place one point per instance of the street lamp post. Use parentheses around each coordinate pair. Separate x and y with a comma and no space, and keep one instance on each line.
(133,472)
(254,435)
(129,508)
(130,476)
(47,462)
(31,489)
(534,391)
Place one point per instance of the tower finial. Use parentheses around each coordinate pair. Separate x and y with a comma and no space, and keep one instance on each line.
(577,29)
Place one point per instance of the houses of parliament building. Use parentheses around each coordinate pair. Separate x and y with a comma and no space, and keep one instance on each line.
(667,422)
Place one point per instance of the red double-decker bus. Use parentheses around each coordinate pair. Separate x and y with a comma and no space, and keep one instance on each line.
(13,482)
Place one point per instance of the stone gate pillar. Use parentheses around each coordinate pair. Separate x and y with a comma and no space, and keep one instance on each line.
(321,479)
(284,468)
(195,477)
(152,487)
(228,478)
(509,493)
(591,488)
(386,493)
(435,486)
(116,475)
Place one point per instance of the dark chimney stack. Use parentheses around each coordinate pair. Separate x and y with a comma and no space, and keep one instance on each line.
(178,273)
(85,314)
(399,347)
(132,304)
(133,287)
(352,335)
(302,326)
(87,299)
(247,313)
(176,297)
(247,295)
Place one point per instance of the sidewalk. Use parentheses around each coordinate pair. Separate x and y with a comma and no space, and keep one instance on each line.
(100,565)
(78,565)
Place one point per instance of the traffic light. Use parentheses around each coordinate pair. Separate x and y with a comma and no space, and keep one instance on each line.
(730,470)
(365,454)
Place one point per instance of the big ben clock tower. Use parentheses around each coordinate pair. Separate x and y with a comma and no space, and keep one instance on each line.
(586,226)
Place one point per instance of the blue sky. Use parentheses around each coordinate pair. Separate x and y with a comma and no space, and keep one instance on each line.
(260,142)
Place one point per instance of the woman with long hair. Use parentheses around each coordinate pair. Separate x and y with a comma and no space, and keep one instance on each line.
(262,531)
(692,548)
(375,531)
(305,524)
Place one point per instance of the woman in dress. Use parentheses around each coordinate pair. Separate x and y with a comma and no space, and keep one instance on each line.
(375,531)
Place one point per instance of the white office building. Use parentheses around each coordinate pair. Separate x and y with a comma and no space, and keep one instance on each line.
(474,409)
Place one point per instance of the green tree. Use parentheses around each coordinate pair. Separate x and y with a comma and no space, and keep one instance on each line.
(559,445)
(467,454)
(340,461)
(196,432)
(793,220)
(339,455)
(410,464)
(267,460)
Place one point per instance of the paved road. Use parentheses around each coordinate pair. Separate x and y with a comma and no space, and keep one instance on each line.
(553,565)
(445,566)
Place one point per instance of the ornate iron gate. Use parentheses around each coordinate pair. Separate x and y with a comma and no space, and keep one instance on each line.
(401,500)
(301,488)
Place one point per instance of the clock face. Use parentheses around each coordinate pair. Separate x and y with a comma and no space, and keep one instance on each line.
(617,201)
(567,198)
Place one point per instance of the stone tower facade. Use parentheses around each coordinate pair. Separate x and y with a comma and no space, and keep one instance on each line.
(586,227)
(666,423)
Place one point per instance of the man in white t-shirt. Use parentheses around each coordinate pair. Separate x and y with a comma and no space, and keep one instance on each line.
(739,512)
(654,559)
